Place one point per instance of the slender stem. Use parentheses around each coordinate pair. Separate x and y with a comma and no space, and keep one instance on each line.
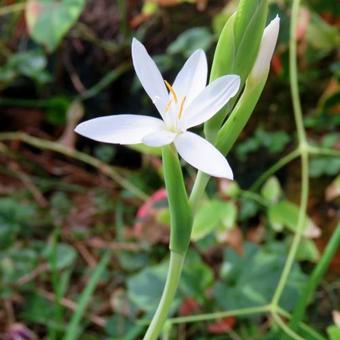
(274,168)
(198,189)
(293,73)
(285,328)
(303,148)
(174,274)
(323,151)
(315,278)
(299,231)
(219,315)
(80,156)
(254,197)
(105,81)
(302,325)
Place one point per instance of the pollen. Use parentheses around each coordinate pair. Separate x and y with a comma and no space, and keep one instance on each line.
(171,90)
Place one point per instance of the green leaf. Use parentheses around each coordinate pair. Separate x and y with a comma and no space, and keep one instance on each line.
(145,288)
(49,20)
(271,190)
(308,251)
(328,166)
(212,216)
(333,332)
(14,218)
(250,280)
(286,214)
(196,278)
(65,255)
(14,264)
(31,64)
(191,40)
(321,35)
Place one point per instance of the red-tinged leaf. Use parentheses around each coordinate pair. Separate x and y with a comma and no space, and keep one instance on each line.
(188,307)
(222,326)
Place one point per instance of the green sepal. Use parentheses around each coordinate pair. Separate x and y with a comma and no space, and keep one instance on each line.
(236,51)
(180,210)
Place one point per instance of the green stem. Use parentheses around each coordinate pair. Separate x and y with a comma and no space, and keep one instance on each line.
(277,319)
(274,168)
(198,189)
(299,231)
(303,148)
(219,315)
(254,197)
(315,278)
(174,274)
(323,151)
(293,73)
(307,329)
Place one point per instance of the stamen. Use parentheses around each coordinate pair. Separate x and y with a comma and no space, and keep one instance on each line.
(172,91)
(168,105)
(181,108)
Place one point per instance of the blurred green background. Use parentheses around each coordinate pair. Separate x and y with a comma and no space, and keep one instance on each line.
(84,226)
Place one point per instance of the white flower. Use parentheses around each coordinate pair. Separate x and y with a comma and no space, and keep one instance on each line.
(184,104)
(266,50)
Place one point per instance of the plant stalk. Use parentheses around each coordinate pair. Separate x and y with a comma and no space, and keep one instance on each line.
(315,278)
(172,280)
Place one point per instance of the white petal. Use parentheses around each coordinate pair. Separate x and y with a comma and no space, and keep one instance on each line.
(119,129)
(266,50)
(202,155)
(149,75)
(159,138)
(210,100)
(192,78)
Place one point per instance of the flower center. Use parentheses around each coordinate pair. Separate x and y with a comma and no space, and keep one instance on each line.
(174,99)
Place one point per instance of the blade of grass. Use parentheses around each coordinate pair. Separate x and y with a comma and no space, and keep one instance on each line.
(73,326)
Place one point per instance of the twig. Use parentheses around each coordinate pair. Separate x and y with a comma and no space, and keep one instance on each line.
(100,244)
(42,268)
(83,157)
(71,305)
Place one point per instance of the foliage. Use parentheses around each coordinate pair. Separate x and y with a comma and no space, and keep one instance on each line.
(64,200)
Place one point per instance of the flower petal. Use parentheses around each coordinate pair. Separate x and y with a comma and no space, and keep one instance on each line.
(149,75)
(159,138)
(202,155)
(192,78)
(119,129)
(210,100)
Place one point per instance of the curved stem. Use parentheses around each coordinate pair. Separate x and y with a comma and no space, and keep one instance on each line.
(303,149)
(198,189)
(299,231)
(315,278)
(277,319)
(219,315)
(274,168)
(174,274)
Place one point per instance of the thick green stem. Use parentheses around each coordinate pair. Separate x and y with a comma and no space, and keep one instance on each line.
(174,274)
(315,278)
